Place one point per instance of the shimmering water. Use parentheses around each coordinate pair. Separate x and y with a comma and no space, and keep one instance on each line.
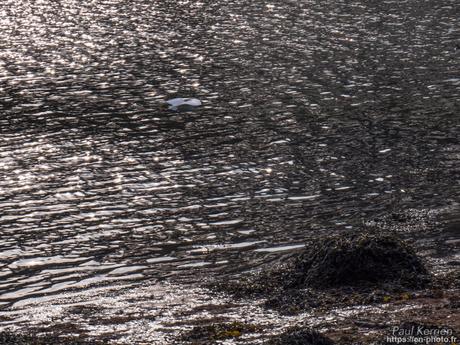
(317,116)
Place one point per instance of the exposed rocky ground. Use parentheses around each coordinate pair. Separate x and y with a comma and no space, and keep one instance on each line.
(372,270)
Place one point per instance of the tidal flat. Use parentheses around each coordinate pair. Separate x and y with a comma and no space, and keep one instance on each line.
(293,129)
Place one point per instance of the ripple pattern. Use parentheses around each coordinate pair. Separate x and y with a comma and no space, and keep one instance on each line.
(316,117)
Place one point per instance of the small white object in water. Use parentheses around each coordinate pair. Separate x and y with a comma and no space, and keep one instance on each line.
(183,103)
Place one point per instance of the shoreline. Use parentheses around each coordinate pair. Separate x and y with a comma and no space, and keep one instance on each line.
(361,318)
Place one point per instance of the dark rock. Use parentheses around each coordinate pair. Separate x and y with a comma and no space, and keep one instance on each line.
(359,261)
(300,336)
(399,217)
(10,338)
(341,271)
(209,334)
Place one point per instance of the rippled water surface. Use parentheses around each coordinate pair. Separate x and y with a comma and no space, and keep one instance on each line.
(317,116)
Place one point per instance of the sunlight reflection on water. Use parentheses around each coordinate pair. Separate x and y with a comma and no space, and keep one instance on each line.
(315,118)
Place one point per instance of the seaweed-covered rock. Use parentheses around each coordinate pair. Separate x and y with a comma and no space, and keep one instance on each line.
(341,271)
(208,334)
(10,338)
(299,336)
(358,260)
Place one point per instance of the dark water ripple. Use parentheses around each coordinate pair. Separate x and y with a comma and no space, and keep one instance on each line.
(316,116)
